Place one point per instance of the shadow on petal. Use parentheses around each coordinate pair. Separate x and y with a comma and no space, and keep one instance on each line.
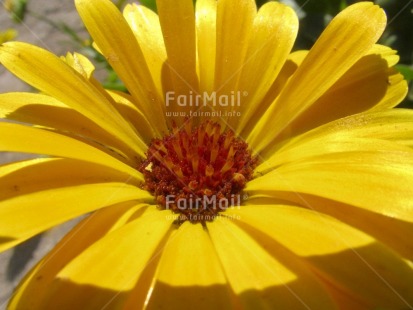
(195,297)
(368,276)
(6,239)
(371,273)
(61,118)
(285,296)
(66,295)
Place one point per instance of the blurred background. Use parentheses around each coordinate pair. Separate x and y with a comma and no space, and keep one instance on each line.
(55,25)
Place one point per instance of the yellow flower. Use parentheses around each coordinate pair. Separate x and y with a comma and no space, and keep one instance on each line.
(325,222)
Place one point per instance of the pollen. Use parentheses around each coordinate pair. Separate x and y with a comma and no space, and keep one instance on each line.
(199,171)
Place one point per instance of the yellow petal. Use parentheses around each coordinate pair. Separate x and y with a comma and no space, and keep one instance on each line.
(40,141)
(135,243)
(24,177)
(206,11)
(356,132)
(344,257)
(328,144)
(273,35)
(394,125)
(27,215)
(293,61)
(113,264)
(81,64)
(394,233)
(262,281)
(117,42)
(125,105)
(39,109)
(349,36)
(369,85)
(388,54)
(235,20)
(53,76)
(376,181)
(177,20)
(234,24)
(287,224)
(396,91)
(194,254)
(33,290)
(189,273)
(147,30)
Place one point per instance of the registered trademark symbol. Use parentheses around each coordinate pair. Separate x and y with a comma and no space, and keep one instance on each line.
(245,93)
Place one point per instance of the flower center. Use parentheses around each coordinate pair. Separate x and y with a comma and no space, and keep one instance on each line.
(198,172)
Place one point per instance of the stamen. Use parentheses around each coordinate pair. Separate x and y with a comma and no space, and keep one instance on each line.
(177,149)
(197,172)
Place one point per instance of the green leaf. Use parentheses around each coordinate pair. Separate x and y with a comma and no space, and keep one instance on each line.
(149,4)
(406,70)
(18,9)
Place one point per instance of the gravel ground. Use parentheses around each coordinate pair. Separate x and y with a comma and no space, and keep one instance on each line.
(16,262)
